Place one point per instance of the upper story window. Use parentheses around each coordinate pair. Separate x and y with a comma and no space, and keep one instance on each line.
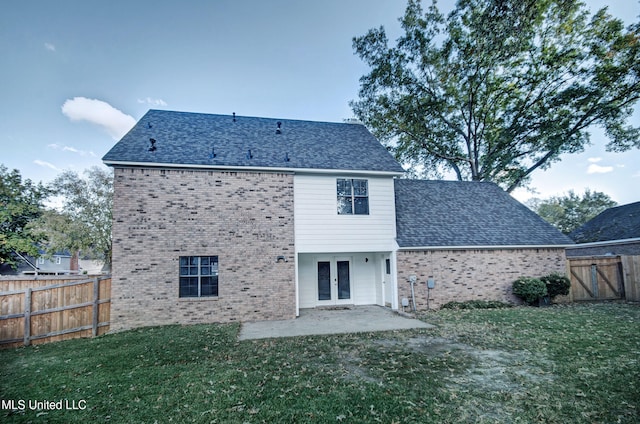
(353,196)
(198,276)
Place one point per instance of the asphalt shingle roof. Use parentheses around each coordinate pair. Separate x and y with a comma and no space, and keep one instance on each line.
(618,223)
(184,138)
(457,213)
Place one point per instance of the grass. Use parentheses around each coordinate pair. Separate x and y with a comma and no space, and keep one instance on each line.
(553,365)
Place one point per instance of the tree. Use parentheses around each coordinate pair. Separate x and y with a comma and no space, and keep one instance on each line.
(569,212)
(20,204)
(499,88)
(83,222)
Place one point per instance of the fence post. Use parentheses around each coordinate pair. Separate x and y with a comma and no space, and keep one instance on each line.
(96,296)
(594,280)
(27,317)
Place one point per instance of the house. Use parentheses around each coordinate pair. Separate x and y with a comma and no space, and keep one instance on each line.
(615,231)
(58,263)
(229,218)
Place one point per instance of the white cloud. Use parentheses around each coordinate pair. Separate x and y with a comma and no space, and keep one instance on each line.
(152,102)
(100,113)
(46,164)
(71,149)
(594,160)
(597,169)
(50,47)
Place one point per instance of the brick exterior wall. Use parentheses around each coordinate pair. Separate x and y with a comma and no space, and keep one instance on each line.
(244,218)
(462,275)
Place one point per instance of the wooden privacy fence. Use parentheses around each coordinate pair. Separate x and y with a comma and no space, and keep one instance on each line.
(42,311)
(605,278)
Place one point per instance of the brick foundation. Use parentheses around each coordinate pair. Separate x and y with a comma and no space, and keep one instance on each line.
(462,275)
(245,218)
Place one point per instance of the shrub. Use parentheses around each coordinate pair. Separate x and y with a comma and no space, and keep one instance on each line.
(557,284)
(529,289)
(476,304)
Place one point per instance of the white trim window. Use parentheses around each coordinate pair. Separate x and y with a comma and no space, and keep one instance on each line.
(353,196)
(198,276)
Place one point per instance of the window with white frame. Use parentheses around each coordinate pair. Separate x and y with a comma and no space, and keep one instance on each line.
(353,196)
(198,276)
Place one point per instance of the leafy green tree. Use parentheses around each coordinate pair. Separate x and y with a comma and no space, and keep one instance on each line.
(83,222)
(499,88)
(569,212)
(20,204)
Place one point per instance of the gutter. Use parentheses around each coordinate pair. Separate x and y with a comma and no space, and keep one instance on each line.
(241,168)
(505,247)
(605,243)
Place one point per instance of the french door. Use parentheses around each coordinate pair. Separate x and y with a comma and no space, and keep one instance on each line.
(334,281)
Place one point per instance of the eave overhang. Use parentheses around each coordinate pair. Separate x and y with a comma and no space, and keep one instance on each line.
(126,164)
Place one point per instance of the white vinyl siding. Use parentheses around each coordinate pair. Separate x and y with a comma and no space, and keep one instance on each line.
(319,227)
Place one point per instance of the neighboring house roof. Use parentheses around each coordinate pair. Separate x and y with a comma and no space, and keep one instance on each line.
(466,214)
(618,223)
(192,139)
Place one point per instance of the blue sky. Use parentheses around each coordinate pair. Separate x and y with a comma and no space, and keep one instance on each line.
(76,75)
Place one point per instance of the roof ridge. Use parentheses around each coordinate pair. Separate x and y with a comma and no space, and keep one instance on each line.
(233,114)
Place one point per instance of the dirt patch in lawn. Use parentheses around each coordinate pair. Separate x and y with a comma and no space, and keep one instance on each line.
(486,370)
(494,375)
(489,369)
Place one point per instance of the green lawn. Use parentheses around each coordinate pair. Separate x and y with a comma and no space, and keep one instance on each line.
(552,365)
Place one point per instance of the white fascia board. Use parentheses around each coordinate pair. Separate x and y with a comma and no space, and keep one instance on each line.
(252,168)
(605,243)
(507,247)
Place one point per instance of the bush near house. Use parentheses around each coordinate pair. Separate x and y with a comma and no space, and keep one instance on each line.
(529,289)
(557,284)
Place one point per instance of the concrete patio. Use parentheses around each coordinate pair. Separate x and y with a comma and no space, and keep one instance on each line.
(352,319)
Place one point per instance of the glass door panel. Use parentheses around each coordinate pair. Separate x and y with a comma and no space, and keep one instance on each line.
(324,280)
(344,283)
